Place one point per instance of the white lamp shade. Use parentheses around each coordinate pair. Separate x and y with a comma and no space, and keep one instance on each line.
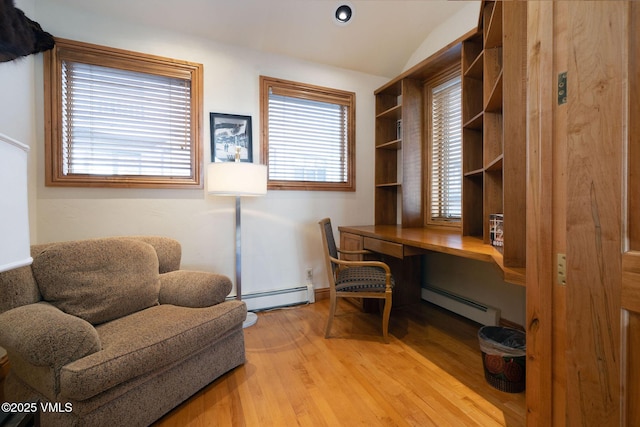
(237,179)
(14,209)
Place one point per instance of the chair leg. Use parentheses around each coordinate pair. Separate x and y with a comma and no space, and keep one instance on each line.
(385,318)
(332,312)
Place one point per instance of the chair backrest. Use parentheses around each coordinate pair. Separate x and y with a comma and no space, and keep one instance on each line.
(329,243)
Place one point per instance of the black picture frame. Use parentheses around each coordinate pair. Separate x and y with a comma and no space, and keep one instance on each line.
(229,131)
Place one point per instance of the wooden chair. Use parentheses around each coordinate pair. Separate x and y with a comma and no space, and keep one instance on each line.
(360,279)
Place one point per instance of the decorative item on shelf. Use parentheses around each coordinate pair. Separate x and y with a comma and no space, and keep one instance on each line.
(496,225)
(399,129)
(238,179)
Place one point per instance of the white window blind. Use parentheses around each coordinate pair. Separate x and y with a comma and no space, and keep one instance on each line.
(307,140)
(446,158)
(119,122)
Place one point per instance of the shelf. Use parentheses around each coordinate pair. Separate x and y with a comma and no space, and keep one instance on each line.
(393,113)
(390,184)
(493,71)
(393,88)
(475,122)
(492,138)
(477,173)
(471,50)
(475,69)
(494,103)
(495,165)
(472,100)
(472,199)
(396,144)
(493,30)
(472,149)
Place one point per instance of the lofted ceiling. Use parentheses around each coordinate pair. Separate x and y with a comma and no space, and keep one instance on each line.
(379,40)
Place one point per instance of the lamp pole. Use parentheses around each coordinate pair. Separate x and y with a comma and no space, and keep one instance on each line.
(238,179)
(252,318)
(238,250)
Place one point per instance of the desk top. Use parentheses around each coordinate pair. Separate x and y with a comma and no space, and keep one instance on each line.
(440,240)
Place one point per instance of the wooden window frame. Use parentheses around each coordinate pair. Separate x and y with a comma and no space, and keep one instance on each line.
(316,93)
(448,74)
(126,60)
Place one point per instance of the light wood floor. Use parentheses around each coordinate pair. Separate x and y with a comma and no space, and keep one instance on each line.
(430,374)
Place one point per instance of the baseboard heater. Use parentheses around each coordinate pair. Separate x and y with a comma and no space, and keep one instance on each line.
(476,311)
(277,298)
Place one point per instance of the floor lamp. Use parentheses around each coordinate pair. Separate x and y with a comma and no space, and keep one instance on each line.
(239,179)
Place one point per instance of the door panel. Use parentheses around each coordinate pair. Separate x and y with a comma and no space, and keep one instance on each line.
(630,293)
(631,337)
(596,102)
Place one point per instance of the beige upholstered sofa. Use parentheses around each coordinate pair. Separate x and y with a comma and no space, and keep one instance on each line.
(114,331)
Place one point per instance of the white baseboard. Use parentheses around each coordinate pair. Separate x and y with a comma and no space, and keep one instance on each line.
(276,298)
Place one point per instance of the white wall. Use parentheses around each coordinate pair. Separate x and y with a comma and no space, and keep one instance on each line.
(18,110)
(465,20)
(280,232)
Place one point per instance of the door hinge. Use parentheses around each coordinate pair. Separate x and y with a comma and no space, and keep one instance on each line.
(562,269)
(562,88)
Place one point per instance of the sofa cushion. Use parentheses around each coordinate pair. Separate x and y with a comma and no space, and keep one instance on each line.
(99,279)
(169,251)
(147,341)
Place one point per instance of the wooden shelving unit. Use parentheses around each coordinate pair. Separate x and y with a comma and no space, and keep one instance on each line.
(493,61)
(400,154)
(472,135)
(388,180)
(494,114)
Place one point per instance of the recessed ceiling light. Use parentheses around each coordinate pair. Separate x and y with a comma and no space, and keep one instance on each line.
(344,13)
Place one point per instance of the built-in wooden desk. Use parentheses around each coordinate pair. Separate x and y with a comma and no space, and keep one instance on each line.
(398,242)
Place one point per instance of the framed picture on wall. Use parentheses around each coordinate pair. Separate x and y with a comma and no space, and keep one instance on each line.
(230,132)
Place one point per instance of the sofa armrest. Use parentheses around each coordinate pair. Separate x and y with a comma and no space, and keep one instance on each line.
(43,335)
(193,288)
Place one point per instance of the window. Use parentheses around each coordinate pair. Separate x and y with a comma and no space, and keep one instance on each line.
(121,119)
(445,149)
(308,136)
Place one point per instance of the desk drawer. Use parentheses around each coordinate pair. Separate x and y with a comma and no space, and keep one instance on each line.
(384,247)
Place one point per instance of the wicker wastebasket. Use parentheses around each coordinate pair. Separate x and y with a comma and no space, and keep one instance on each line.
(503,357)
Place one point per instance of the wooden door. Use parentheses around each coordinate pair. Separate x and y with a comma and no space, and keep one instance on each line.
(603,243)
(583,199)
(596,119)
